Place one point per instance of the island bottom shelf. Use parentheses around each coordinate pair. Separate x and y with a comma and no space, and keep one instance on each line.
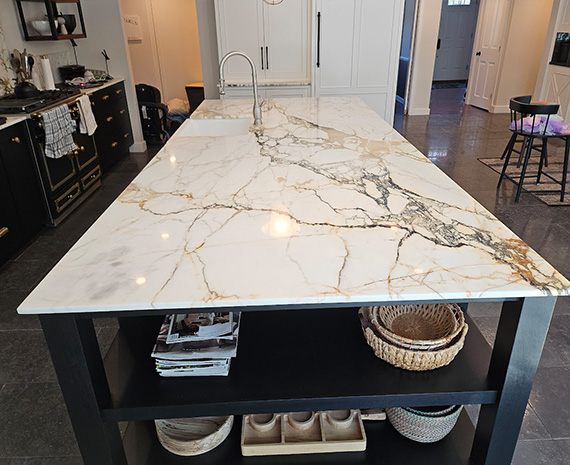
(385,447)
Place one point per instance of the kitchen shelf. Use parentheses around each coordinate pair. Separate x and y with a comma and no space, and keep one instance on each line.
(59,37)
(289,361)
(385,447)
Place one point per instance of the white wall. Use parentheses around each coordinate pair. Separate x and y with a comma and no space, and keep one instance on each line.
(168,56)
(553,84)
(208,47)
(143,53)
(522,51)
(104,25)
(423,61)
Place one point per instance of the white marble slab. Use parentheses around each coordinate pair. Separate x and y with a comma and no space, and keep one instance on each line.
(328,205)
(12,120)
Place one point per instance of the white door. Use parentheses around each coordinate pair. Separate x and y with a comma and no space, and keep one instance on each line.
(490,34)
(286,31)
(455,42)
(357,50)
(240,27)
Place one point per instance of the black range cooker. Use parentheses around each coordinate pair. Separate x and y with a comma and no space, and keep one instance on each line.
(69,180)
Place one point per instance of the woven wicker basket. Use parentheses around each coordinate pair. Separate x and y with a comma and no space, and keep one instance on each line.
(407,359)
(193,436)
(422,426)
(420,326)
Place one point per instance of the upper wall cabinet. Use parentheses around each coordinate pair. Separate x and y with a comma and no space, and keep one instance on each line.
(276,37)
(51,19)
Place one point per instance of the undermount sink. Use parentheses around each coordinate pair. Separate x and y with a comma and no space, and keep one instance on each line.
(214,127)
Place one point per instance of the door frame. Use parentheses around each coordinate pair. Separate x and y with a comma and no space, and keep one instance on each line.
(477,43)
(411,59)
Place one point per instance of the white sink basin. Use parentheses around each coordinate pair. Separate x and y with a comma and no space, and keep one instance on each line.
(214,127)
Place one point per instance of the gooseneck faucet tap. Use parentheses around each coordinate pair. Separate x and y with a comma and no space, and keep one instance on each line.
(222,87)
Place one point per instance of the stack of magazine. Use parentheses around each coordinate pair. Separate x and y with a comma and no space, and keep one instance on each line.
(196,344)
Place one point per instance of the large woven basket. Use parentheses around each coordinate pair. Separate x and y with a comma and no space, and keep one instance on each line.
(419,326)
(407,359)
(422,426)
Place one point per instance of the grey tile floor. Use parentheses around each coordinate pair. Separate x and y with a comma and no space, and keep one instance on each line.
(34,427)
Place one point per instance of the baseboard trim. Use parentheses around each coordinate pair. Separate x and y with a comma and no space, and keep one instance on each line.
(138,147)
(418,111)
(500,109)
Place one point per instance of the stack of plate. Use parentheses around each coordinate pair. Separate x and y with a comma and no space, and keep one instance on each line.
(415,337)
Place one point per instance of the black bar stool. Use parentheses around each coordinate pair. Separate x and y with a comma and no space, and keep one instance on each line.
(521,109)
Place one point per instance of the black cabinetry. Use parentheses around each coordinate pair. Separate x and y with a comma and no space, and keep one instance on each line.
(22,204)
(114,134)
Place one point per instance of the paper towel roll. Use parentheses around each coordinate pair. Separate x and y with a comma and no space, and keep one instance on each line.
(49,83)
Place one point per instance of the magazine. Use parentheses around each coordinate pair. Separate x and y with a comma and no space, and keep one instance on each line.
(188,327)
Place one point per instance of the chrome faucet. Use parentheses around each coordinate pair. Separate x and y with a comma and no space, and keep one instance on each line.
(222,86)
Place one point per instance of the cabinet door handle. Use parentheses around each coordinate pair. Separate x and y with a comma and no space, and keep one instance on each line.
(126,135)
(319,39)
(16,140)
(262,67)
(105,97)
(4,231)
(119,91)
(122,112)
(82,148)
(114,144)
(267,57)
(109,119)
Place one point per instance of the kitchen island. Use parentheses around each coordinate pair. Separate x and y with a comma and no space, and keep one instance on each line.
(326,209)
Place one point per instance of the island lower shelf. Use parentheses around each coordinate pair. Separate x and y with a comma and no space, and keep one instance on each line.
(385,447)
(289,361)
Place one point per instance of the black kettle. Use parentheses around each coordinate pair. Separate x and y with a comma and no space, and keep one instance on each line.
(25,89)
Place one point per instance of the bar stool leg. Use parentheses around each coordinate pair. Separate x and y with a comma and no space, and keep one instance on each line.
(523,149)
(530,141)
(509,146)
(565,168)
(508,153)
(543,159)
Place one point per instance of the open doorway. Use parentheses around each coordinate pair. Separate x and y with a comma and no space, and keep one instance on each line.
(164,50)
(453,57)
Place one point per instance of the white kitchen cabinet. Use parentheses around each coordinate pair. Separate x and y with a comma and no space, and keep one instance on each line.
(268,92)
(276,37)
(356,48)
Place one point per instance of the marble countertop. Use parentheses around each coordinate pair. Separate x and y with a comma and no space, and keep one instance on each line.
(328,205)
(11,120)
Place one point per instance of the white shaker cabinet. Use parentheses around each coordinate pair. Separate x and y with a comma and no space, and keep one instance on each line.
(356,47)
(276,37)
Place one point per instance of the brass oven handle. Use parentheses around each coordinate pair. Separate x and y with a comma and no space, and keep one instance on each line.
(4,231)
(105,97)
(114,144)
(109,119)
(16,140)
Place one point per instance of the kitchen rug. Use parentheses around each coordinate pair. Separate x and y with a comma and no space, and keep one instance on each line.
(547,190)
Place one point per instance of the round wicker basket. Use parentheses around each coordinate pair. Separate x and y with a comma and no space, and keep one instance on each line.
(193,436)
(408,359)
(423,426)
(419,326)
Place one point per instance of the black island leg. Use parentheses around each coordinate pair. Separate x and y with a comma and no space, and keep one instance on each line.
(521,334)
(74,350)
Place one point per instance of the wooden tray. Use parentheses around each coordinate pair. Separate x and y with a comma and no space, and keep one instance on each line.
(303,433)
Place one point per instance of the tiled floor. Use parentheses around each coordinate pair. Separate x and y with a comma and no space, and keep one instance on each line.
(34,427)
